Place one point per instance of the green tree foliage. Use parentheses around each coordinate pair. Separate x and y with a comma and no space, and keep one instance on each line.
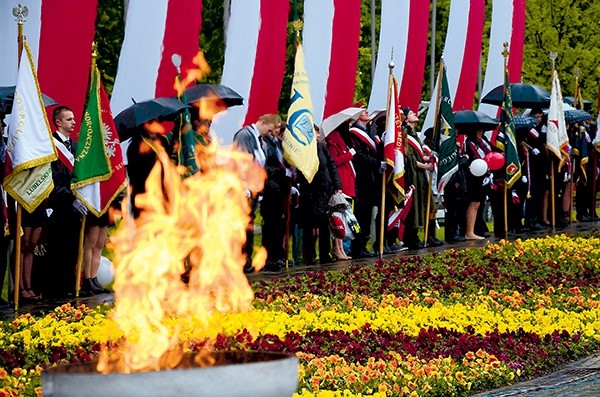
(567,27)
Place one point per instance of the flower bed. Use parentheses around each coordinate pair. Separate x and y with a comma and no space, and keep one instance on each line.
(442,324)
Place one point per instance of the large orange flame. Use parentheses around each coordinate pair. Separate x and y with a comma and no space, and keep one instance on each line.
(190,230)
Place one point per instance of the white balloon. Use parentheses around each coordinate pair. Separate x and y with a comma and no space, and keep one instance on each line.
(478,167)
(106,272)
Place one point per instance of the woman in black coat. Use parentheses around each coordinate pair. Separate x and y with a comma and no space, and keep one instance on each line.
(314,210)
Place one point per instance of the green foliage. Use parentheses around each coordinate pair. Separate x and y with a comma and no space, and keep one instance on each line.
(110,29)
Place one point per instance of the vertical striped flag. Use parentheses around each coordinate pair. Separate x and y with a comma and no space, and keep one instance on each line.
(299,140)
(29,149)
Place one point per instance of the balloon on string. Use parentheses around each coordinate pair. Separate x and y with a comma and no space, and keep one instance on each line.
(106,272)
(478,167)
(494,160)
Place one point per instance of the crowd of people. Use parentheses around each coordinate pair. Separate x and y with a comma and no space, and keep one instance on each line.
(351,166)
(351,163)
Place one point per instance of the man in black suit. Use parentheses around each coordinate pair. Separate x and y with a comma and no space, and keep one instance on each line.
(250,140)
(65,210)
(368,167)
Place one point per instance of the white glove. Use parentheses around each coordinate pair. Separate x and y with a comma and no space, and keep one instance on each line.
(535,151)
(382,167)
(80,207)
(524,179)
(352,151)
(295,191)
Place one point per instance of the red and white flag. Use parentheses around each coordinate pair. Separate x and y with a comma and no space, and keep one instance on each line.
(462,53)
(29,148)
(254,66)
(60,35)
(393,142)
(331,36)
(154,31)
(398,217)
(404,32)
(557,139)
(508,26)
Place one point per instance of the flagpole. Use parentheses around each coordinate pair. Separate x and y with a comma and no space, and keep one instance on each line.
(505,53)
(384,174)
(433,138)
(20,12)
(82,228)
(553,56)
(595,151)
(577,73)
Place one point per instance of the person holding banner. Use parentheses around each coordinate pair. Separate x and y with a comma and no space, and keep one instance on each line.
(65,210)
(367,166)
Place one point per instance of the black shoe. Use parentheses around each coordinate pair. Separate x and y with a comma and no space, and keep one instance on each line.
(458,239)
(326,259)
(88,288)
(273,266)
(434,242)
(415,246)
(396,248)
(585,218)
(363,254)
(99,286)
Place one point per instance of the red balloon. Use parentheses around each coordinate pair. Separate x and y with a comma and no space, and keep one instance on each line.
(494,160)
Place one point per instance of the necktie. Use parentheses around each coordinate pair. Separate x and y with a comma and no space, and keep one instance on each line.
(67,143)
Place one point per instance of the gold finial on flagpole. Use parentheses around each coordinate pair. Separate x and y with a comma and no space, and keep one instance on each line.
(505,51)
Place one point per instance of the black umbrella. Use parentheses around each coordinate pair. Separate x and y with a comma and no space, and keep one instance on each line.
(7,96)
(521,121)
(523,96)
(128,121)
(474,120)
(570,100)
(213,91)
(576,115)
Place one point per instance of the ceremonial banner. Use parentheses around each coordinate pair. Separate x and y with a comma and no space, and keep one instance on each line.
(557,138)
(29,148)
(98,173)
(299,140)
(507,131)
(393,142)
(444,134)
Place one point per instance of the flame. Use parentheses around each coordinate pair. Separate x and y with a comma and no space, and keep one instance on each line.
(154,127)
(193,74)
(194,226)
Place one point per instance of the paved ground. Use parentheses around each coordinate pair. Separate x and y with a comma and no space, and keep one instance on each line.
(580,378)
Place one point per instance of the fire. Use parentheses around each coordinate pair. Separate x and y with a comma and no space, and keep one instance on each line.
(190,230)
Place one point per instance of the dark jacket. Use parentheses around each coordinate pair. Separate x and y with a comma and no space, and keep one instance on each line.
(314,196)
(61,198)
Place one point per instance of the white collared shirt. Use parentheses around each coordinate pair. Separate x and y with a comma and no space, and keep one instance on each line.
(259,154)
